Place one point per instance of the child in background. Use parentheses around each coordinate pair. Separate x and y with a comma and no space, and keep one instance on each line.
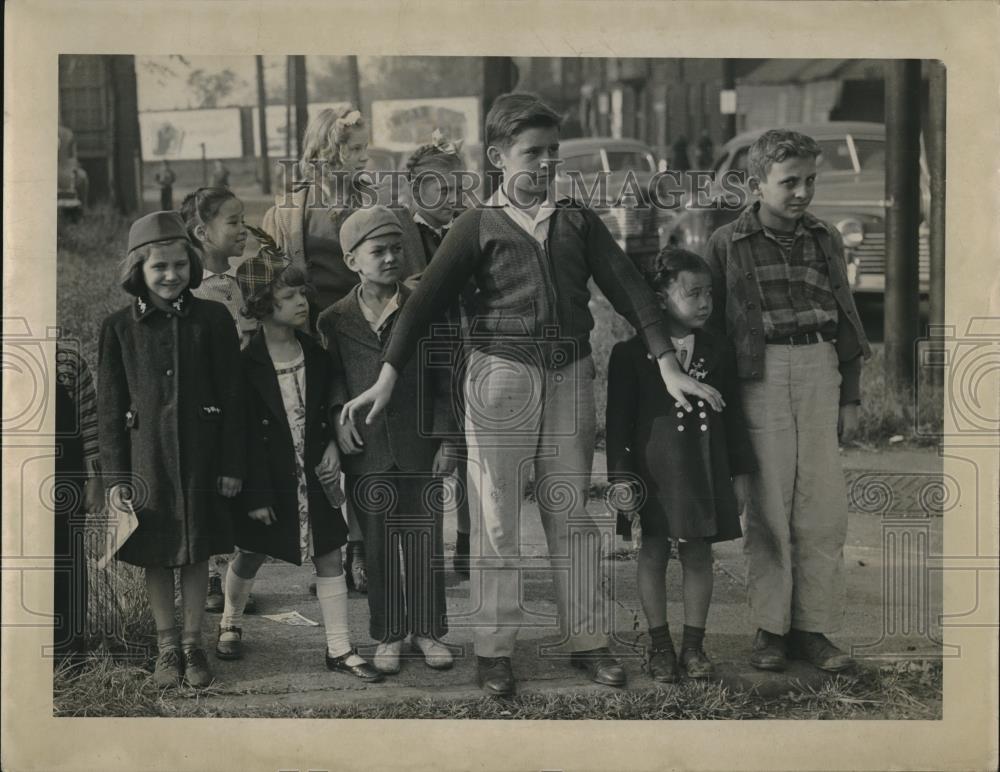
(432,206)
(171,427)
(291,457)
(783,299)
(77,460)
(214,221)
(390,465)
(686,464)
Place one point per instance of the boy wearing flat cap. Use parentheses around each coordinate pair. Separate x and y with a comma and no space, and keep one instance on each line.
(390,465)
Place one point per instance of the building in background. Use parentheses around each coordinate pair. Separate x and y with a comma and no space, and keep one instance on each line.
(98,103)
(787,91)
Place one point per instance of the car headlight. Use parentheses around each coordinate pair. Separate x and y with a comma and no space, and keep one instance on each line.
(851,232)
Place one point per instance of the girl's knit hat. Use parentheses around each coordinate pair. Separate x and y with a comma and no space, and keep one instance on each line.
(155,227)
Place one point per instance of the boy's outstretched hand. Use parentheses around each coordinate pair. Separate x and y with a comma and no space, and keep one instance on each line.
(679,383)
(377,395)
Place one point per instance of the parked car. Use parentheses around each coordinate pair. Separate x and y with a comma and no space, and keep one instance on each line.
(71,179)
(635,228)
(850,193)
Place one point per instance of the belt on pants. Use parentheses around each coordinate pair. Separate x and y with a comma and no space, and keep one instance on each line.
(801,339)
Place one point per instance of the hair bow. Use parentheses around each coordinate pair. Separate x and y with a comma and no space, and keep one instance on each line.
(443,144)
(350,119)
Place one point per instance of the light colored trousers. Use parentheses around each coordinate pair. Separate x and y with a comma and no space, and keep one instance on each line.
(519,416)
(797,524)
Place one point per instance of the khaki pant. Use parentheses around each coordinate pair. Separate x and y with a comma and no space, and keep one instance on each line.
(519,416)
(797,525)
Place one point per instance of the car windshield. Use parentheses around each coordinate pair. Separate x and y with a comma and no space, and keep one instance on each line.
(590,163)
(636,160)
(836,155)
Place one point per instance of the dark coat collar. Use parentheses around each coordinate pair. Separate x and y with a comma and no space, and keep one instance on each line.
(143,307)
(262,377)
(748,223)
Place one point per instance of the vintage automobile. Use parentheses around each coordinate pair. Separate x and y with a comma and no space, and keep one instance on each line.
(850,193)
(636,228)
(71,179)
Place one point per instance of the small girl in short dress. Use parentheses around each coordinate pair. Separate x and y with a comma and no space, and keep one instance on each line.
(688,471)
(292,457)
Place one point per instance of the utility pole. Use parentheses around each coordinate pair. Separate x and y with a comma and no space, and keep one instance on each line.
(289,88)
(354,81)
(902,189)
(263,164)
(936,167)
(498,78)
(301,101)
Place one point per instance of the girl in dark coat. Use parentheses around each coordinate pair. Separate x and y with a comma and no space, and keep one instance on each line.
(293,463)
(170,418)
(688,471)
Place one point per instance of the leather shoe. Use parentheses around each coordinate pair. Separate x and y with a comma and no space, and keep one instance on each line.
(600,665)
(364,670)
(663,666)
(196,670)
(696,664)
(769,651)
(436,654)
(230,643)
(495,676)
(818,651)
(386,659)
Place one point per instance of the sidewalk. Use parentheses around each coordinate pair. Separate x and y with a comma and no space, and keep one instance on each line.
(284,665)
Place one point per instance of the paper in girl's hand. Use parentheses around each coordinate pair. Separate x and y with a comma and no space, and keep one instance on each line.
(293,618)
(122,522)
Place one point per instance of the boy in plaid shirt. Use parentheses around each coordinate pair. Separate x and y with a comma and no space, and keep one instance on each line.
(782,296)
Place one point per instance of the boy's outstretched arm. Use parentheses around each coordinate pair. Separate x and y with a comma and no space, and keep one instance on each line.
(452,267)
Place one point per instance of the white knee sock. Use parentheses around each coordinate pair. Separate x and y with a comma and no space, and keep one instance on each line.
(331,591)
(237,591)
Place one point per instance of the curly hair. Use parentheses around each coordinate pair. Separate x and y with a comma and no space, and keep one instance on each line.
(777,145)
(130,274)
(200,207)
(261,304)
(324,136)
(664,269)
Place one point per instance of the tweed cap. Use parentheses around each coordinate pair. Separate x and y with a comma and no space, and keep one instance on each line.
(257,272)
(366,224)
(154,227)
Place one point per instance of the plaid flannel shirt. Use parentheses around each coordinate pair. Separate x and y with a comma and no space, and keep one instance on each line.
(736,292)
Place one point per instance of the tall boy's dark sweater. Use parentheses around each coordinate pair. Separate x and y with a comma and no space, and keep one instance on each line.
(531,301)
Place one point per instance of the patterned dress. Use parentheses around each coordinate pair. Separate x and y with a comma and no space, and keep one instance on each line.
(292,383)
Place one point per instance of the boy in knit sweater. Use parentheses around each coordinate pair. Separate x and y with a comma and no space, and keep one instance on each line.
(529,383)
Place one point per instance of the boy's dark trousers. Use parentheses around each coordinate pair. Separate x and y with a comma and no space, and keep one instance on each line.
(402,512)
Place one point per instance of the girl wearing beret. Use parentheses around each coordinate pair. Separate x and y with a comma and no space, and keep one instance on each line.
(170,417)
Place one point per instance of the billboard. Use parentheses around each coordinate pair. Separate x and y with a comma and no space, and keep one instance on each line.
(180,134)
(402,124)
